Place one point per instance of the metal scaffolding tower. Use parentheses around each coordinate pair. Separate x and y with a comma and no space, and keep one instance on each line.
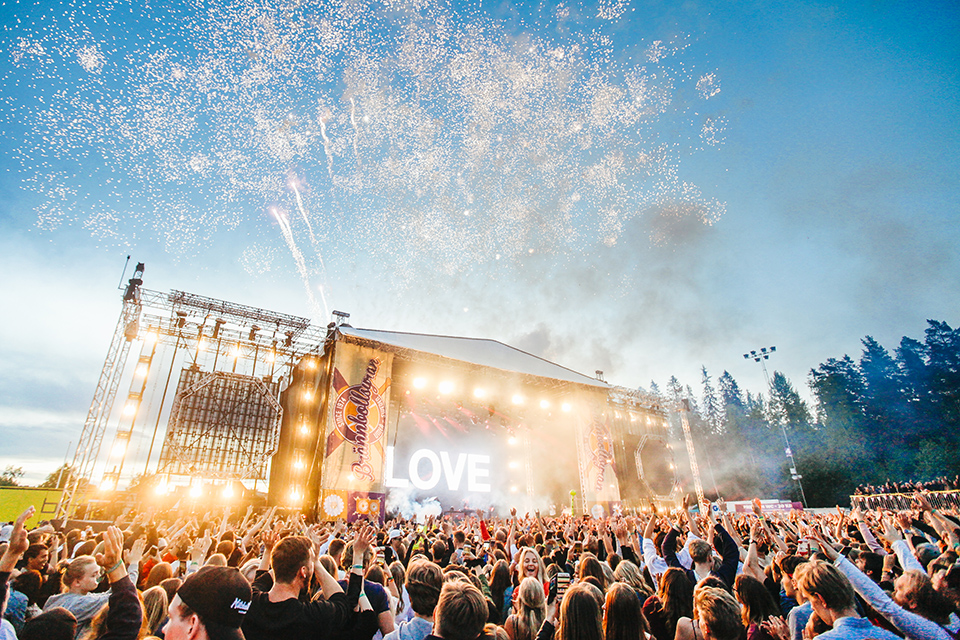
(205,331)
(91,437)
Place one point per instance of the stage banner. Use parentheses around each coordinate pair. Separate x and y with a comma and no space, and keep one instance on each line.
(356,424)
(352,506)
(598,478)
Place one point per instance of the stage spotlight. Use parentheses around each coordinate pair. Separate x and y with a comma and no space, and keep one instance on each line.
(294,495)
(544,404)
(304,429)
(161,488)
(119,449)
(517,398)
(236,352)
(566,407)
(513,489)
(202,345)
(150,337)
(195,491)
(142,370)
(511,440)
(228,492)
(308,395)
(298,464)
(446,386)
(514,464)
(479,393)
(108,485)
(419,383)
(130,409)
(310,363)
(271,357)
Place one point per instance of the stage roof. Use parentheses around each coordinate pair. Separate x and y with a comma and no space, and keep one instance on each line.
(481,351)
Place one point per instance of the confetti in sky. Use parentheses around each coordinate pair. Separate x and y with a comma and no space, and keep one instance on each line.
(397,128)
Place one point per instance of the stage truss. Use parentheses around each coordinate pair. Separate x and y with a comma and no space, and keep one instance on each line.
(193,331)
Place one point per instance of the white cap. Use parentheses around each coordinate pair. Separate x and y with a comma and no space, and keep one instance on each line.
(5,532)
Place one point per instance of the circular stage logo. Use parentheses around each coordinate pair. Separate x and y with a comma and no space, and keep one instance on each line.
(360,418)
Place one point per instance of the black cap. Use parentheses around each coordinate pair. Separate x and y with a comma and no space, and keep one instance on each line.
(219,595)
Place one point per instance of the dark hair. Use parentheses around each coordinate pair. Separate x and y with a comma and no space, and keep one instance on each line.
(288,556)
(171,585)
(872,565)
(500,579)
(28,583)
(55,624)
(34,550)
(623,614)
(789,564)
(676,596)
(580,617)
(590,566)
(461,611)
(424,581)
(336,546)
(758,604)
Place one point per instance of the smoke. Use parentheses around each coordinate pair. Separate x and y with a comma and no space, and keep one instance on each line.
(403,502)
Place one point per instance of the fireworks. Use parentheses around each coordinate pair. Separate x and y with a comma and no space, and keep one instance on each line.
(410,129)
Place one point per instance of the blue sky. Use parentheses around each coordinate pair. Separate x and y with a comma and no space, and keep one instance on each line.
(546,175)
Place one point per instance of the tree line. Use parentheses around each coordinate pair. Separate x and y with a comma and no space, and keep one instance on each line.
(884,416)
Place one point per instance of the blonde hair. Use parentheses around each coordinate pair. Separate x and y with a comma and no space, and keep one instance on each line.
(532,609)
(631,574)
(75,570)
(155,606)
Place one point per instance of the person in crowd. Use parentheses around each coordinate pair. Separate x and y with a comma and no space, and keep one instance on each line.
(530,612)
(80,580)
(718,615)
(423,582)
(155,603)
(276,609)
(673,600)
(210,605)
(623,614)
(461,612)
(757,606)
(831,596)
(580,615)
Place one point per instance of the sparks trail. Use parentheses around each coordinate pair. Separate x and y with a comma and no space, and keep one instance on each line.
(287,233)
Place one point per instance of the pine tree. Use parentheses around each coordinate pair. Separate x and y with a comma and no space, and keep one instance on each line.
(730,394)
(786,407)
(713,412)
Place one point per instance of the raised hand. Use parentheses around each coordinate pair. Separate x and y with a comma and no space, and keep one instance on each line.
(135,554)
(110,558)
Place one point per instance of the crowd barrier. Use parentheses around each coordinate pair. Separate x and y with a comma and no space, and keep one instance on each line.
(900,501)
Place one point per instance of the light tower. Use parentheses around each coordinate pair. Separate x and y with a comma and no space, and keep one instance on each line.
(762,355)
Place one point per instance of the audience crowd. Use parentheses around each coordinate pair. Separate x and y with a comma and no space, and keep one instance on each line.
(937,484)
(690,574)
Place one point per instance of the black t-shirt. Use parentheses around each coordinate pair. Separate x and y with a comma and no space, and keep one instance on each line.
(293,618)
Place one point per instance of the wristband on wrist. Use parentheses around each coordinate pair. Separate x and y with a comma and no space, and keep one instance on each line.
(115,567)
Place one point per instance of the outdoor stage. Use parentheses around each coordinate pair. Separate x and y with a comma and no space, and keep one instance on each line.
(353,422)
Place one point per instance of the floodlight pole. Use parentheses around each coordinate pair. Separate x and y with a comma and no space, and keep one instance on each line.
(762,355)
